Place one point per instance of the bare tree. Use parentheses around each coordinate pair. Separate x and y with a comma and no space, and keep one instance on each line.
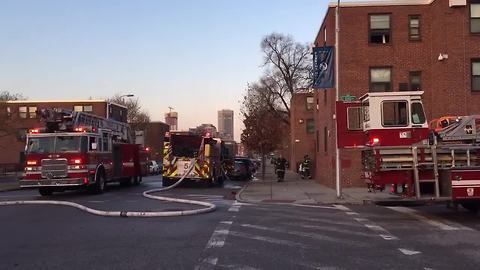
(287,66)
(136,117)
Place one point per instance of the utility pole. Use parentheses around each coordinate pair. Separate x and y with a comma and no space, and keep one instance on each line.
(338,180)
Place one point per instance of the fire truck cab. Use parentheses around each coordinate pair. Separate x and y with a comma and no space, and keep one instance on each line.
(69,154)
(393,118)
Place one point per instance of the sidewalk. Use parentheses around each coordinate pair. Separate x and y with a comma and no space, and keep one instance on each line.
(302,191)
(9,183)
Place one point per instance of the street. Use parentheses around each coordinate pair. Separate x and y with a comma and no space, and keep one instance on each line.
(235,236)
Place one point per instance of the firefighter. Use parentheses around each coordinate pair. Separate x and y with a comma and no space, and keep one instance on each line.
(281,165)
(305,167)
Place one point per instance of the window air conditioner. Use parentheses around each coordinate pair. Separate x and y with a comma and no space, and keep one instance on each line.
(457,3)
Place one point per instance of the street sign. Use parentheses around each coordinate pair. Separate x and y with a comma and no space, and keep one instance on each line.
(348,98)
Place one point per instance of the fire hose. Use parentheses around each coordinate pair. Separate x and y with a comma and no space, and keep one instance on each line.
(207,207)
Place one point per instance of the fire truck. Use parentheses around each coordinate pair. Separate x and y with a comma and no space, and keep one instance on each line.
(438,163)
(80,150)
(180,148)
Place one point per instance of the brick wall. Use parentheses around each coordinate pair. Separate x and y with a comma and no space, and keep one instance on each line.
(302,143)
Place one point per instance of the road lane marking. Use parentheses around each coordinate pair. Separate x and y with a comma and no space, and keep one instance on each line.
(315,236)
(342,207)
(313,206)
(409,252)
(329,228)
(235,207)
(267,239)
(383,233)
(207,264)
(351,213)
(431,220)
(217,240)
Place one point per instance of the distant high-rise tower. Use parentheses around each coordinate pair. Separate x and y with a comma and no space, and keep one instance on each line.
(225,124)
(171,118)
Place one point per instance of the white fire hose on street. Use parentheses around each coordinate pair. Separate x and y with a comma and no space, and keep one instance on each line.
(208,207)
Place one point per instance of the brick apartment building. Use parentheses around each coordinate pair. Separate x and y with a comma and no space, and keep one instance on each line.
(400,45)
(20,116)
(302,128)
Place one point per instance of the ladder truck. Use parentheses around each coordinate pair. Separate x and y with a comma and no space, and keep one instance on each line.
(440,163)
(80,150)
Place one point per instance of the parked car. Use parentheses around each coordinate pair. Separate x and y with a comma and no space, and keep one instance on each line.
(244,169)
(153,167)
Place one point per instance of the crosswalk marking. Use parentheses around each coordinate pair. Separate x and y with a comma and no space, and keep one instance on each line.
(409,252)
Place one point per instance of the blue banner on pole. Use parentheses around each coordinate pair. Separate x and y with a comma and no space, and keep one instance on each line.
(323,67)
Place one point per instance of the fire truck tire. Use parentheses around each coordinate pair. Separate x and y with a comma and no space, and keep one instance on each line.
(45,191)
(166,182)
(473,207)
(100,183)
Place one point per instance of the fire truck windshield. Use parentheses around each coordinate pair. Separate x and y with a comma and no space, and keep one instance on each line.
(56,144)
(185,145)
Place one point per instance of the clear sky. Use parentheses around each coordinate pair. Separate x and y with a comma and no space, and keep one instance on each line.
(194,55)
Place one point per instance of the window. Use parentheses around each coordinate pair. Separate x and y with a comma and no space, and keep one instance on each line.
(418,116)
(380,28)
(310,103)
(9,112)
(475,17)
(325,139)
(354,118)
(32,112)
(380,79)
(415,80)
(22,112)
(414,28)
(318,141)
(87,108)
(366,111)
(78,108)
(310,126)
(394,113)
(105,143)
(476,75)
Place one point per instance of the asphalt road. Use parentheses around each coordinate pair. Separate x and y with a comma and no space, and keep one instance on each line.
(236,236)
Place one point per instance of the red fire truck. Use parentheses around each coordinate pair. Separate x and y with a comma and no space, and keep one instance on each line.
(80,150)
(180,147)
(399,148)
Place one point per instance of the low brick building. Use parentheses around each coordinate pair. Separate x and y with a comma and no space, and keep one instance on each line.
(20,116)
(401,45)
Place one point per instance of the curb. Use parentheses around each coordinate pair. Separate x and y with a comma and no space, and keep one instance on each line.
(238,198)
(14,188)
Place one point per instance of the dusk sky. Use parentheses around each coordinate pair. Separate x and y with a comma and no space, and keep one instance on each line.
(196,56)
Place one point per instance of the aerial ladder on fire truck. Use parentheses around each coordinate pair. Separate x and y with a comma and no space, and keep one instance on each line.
(58,119)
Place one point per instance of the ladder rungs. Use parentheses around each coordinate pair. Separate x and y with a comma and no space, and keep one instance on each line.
(427,180)
(425,163)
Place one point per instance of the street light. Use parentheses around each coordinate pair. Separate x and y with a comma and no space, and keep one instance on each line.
(128,95)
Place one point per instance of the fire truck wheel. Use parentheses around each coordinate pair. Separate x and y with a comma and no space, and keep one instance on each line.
(45,191)
(100,184)
(473,207)
(166,182)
